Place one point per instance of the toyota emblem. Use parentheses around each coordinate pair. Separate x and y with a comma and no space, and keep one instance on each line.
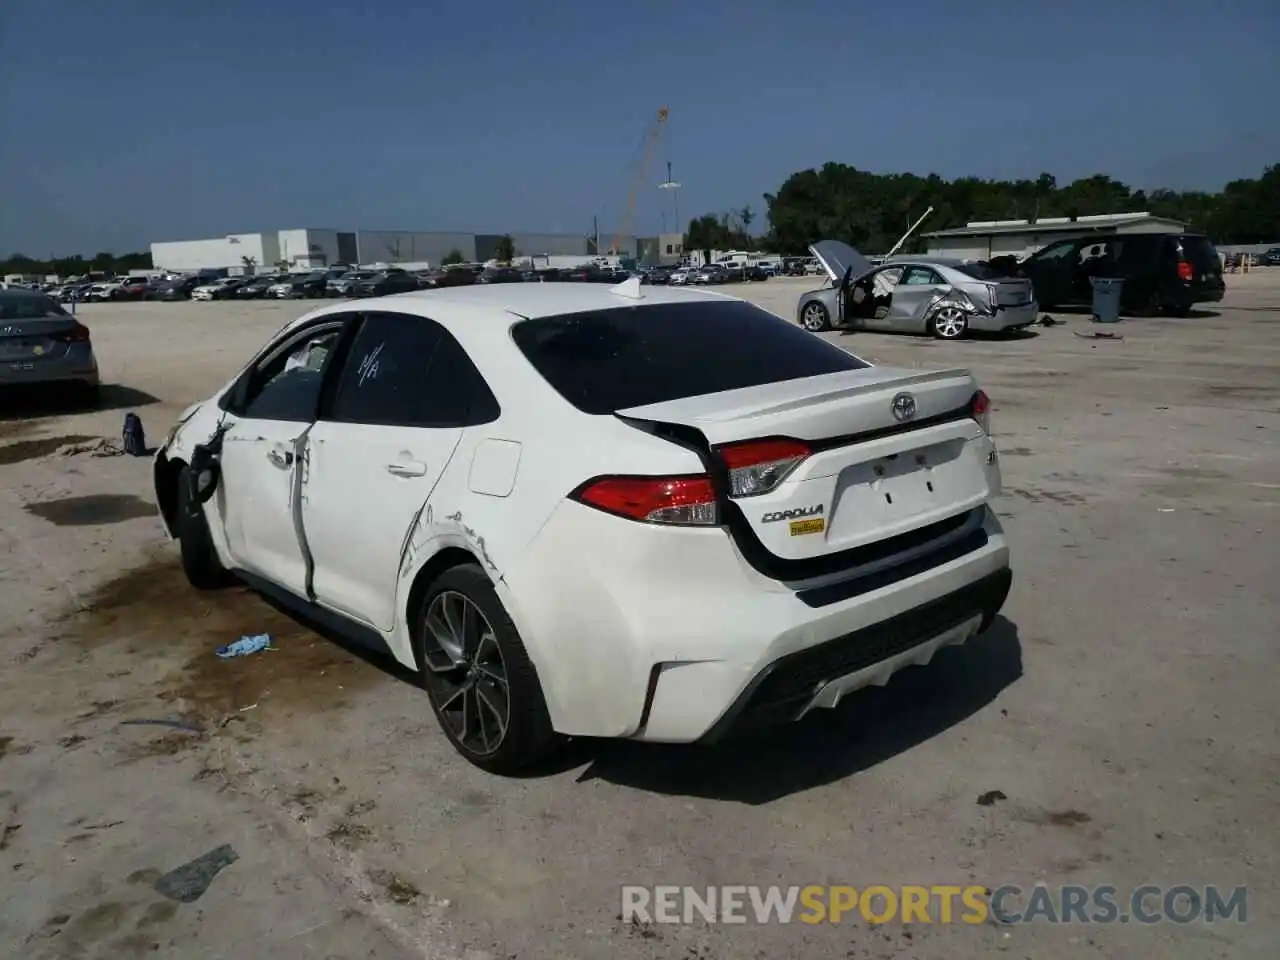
(903,407)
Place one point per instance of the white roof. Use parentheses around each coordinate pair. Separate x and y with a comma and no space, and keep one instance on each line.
(543,299)
(481,316)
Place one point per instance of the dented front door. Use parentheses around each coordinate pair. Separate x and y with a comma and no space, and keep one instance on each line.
(373,462)
(365,485)
(258,496)
(920,288)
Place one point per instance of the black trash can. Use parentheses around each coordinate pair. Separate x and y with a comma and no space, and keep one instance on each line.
(1106,299)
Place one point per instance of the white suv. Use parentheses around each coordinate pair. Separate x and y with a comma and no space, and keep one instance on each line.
(601,511)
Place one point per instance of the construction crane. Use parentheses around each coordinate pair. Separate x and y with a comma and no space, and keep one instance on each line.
(651,138)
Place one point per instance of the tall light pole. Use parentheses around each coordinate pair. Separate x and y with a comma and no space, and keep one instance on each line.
(674,189)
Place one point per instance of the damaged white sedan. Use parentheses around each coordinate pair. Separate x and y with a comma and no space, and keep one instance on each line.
(580,510)
(936,295)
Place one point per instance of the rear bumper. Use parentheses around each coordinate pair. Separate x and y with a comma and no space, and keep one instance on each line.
(78,365)
(1005,318)
(821,675)
(1207,295)
(669,635)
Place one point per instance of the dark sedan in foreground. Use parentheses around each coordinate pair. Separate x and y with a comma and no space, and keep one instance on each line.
(40,343)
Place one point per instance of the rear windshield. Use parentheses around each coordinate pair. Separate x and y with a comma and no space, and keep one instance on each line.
(608,360)
(1199,252)
(18,306)
(982,271)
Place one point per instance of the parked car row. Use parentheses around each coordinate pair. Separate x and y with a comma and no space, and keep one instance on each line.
(346,282)
(122,288)
(717,273)
(1237,261)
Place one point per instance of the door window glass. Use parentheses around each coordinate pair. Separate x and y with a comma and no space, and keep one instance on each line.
(286,384)
(409,371)
(1057,252)
(921,276)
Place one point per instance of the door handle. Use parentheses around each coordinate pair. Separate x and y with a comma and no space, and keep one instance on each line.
(280,458)
(407,468)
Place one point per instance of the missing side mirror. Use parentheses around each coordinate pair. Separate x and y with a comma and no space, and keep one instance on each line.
(207,481)
(204,474)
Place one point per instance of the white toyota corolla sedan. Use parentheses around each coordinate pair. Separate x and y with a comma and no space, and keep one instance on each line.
(581,510)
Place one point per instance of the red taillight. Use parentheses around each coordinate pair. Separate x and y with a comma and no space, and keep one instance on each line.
(686,501)
(980,410)
(77,334)
(757,466)
(1185,273)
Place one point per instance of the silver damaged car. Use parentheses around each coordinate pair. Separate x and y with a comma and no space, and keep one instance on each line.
(940,296)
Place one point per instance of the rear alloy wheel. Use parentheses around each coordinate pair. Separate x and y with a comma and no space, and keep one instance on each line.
(814,317)
(481,682)
(950,323)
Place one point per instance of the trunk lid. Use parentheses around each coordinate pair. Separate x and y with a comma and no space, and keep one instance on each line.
(838,258)
(36,340)
(1012,292)
(872,473)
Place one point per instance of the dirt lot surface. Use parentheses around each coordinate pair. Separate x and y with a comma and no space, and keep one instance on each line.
(1119,722)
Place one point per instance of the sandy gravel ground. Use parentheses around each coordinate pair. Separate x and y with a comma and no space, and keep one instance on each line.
(1124,707)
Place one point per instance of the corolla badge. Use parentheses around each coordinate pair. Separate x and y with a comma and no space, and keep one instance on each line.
(903,407)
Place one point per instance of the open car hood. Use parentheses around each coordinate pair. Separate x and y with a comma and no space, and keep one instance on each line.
(837,257)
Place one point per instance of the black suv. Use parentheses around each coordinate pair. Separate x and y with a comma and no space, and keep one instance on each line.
(1162,272)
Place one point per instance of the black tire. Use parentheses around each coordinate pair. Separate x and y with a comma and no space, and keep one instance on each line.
(200,562)
(528,737)
(815,318)
(1153,306)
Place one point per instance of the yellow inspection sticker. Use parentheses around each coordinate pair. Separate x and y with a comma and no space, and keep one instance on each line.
(799,527)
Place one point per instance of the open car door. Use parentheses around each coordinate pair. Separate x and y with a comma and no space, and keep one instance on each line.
(844,266)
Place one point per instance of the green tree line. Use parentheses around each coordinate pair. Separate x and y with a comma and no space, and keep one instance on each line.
(76,266)
(871,211)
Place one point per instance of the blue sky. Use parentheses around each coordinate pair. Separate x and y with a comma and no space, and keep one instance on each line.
(126,121)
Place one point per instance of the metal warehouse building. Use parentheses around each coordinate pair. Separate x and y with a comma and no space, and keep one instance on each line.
(982,240)
(309,248)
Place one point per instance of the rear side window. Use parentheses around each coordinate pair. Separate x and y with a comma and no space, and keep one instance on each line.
(608,360)
(410,372)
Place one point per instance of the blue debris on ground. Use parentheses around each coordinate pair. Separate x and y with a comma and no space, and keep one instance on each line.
(245,646)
